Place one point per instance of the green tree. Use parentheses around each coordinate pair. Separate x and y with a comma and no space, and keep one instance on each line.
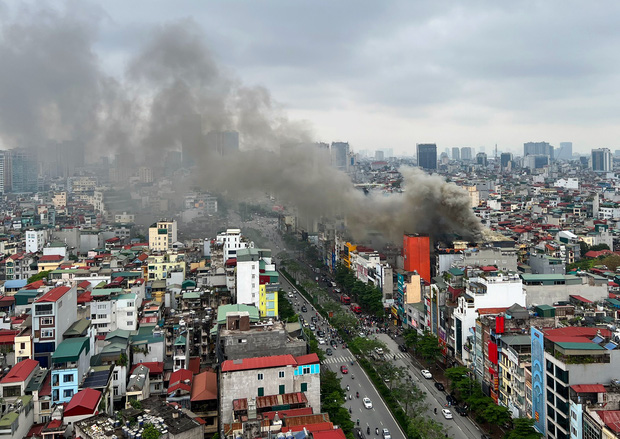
(122,359)
(411,398)
(135,404)
(366,345)
(496,414)
(523,428)
(313,344)
(412,338)
(599,247)
(150,432)
(611,262)
(429,347)
(390,373)
(342,320)
(285,309)
(39,276)
(456,374)
(421,427)
(332,400)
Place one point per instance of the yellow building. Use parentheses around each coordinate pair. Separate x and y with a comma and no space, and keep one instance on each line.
(346,257)
(23,345)
(267,302)
(160,266)
(162,235)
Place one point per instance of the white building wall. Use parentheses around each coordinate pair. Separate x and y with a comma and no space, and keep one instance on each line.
(248,283)
(35,240)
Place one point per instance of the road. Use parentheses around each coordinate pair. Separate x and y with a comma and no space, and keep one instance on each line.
(379,416)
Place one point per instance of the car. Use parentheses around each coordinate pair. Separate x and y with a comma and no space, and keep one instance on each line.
(379,351)
(328,351)
(322,341)
(367,403)
(426,374)
(451,399)
(290,294)
(402,348)
(440,387)
(333,343)
(344,369)
(312,327)
(304,309)
(320,333)
(446,413)
(386,434)
(460,410)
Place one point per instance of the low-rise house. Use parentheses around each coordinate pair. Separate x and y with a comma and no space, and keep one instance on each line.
(83,405)
(138,387)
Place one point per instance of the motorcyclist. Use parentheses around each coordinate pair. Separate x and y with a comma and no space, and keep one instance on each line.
(357,394)
(377,430)
(358,422)
(368,429)
(347,387)
(350,397)
(435,410)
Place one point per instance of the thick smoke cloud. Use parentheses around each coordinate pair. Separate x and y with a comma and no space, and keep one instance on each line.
(53,87)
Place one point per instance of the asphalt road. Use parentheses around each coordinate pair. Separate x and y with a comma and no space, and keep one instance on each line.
(379,416)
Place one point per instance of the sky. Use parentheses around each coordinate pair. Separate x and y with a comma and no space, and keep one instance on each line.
(390,74)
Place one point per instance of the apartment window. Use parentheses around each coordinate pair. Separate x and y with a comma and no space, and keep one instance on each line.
(304,387)
(115,391)
(47,321)
(67,393)
(47,333)
(101,306)
(45,405)
(260,376)
(281,374)
(305,370)
(261,391)
(115,375)
(129,313)
(22,346)
(68,378)
(157,386)
(130,304)
(44,309)
(101,316)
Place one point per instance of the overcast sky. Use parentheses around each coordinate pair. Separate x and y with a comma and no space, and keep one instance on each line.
(390,74)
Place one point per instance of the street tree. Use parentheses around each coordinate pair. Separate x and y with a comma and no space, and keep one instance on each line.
(366,345)
(523,428)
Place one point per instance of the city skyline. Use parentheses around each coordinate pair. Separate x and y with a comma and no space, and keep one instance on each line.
(392,74)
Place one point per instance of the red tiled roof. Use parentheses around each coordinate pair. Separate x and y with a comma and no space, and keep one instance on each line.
(20,371)
(578,331)
(84,284)
(54,424)
(328,433)
(53,295)
(35,285)
(155,368)
(7,336)
(85,297)
(51,258)
(181,379)
(488,268)
(35,430)
(84,402)
(589,388)
(484,311)
(292,412)
(307,359)
(6,300)
(595,254)
(204,387)
(258,363)
(579,298)
(142,257)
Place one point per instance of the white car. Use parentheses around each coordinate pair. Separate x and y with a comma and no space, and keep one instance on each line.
(367,403)
(446,413)
(290,294)
(426,374)
(322,341)
(386,434)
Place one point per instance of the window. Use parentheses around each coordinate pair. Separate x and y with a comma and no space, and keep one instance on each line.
(261,391)
(130,304)
(101,316)
(47,333)
(68,378)
(101,306)
(157,386)
(45,405)
(67,393)
(44,309)
(47,321)
(115,391)
(115,375)
(260,376)
(304,387)
(129,313)
(281,374)
(22,346)
(282,389)
(305,370)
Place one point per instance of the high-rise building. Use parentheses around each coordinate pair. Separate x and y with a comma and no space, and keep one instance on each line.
(601,160)
(482,159)
(5,171)
(417,255)
(535,161)
(565,152)
(505,159)
(456,153)
(538,148)
(466,153)
(340,155)
(388,152)
(24,170)
(379,156)
(192,138)
(223,143)
(427,155)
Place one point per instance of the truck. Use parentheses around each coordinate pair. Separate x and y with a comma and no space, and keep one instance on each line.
(345,299)
(356,308)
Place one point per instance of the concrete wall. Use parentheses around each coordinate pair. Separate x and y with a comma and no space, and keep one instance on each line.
(549,294)
(259,344)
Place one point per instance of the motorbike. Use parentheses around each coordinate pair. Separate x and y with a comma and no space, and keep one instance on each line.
(350,397)
(350,410)
(377,431)
(367,430)
(357,395)
(347,387)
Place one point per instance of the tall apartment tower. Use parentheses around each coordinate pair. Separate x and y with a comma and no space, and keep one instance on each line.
(466,153)
(456,153)
(24,170)
(538,148)
(162,235)
(566,151)
(223,143)
(417,255)
(427,155)
(482,159)
(340,155)
(601,160)
(505,159)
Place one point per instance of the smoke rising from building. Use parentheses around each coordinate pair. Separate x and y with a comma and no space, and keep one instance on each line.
(54,88)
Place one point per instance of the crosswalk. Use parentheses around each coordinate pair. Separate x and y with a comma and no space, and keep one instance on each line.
(348,359)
